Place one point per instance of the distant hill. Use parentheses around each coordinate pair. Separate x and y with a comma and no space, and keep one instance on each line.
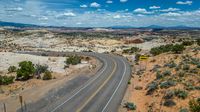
(12,24)
(22,25)
(181,27)
(121,27)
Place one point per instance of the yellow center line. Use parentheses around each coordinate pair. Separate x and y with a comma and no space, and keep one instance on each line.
(94,94)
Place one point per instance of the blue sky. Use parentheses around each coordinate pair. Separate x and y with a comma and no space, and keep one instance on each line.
(102,13)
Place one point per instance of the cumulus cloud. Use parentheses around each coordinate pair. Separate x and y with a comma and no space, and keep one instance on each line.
(14,9)
(154,7)
(109,1)
(141,10)
(83,6)
(65,15)
(184,3)
(95,5)
(123,1)
(171,14)
(116,16)
(43,18)
(170,10)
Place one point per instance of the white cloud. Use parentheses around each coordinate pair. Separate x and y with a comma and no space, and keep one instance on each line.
(154,7)
(123,1)
(109,1)
(83,6)
(65,14)
(170,10)
(43,18)
(95,4)
(171,14)
(116,16)
(141,10)
(15,9)
(184,3)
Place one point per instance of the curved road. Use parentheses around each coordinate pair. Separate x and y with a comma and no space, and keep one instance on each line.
(101,93)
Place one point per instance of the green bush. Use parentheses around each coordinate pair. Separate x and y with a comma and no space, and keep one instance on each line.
(167,73)
(186,67)
(156,68)
(40,69)
(47,75)
(169,103)
(170,65)
(198,66)
(181,93)
(25,71)
(198,42)
(159,75)
(169,95)
(74,60)
(194,105)
(12,69)
(187,43)
(131,50)
(181,74)
(184,110)
(151,88)
(178,48)
(167,84)
(5,80)
(130,106)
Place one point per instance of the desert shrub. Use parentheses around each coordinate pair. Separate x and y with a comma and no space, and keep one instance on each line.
(169,95)
(167,84)
(194,70)
(197,87)
(131,50)
(181,74)
(169,103)
(12,69)
(167,73)
(198,42)
(159,75)
(47,75)
(74,60)
(156,67)
(151,88)
(5,80)
(184,110)
(137,57)
(178,48)
(129,82)
(187,43)
(181,93)
(25,71)
(161,49)
(170,65)
(194,105)
(40,69)
(186,67)
(195,61)
(130,106)
(198,66)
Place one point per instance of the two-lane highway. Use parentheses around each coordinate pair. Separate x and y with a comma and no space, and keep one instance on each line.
(102,93)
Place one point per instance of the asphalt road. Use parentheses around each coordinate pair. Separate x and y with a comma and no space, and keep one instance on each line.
(101,93)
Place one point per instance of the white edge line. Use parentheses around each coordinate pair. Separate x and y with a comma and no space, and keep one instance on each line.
(115,89)
(80,89)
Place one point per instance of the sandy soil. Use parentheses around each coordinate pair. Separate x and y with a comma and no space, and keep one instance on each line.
(145,102)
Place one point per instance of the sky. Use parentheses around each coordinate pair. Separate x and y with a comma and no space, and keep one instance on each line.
(102,13)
